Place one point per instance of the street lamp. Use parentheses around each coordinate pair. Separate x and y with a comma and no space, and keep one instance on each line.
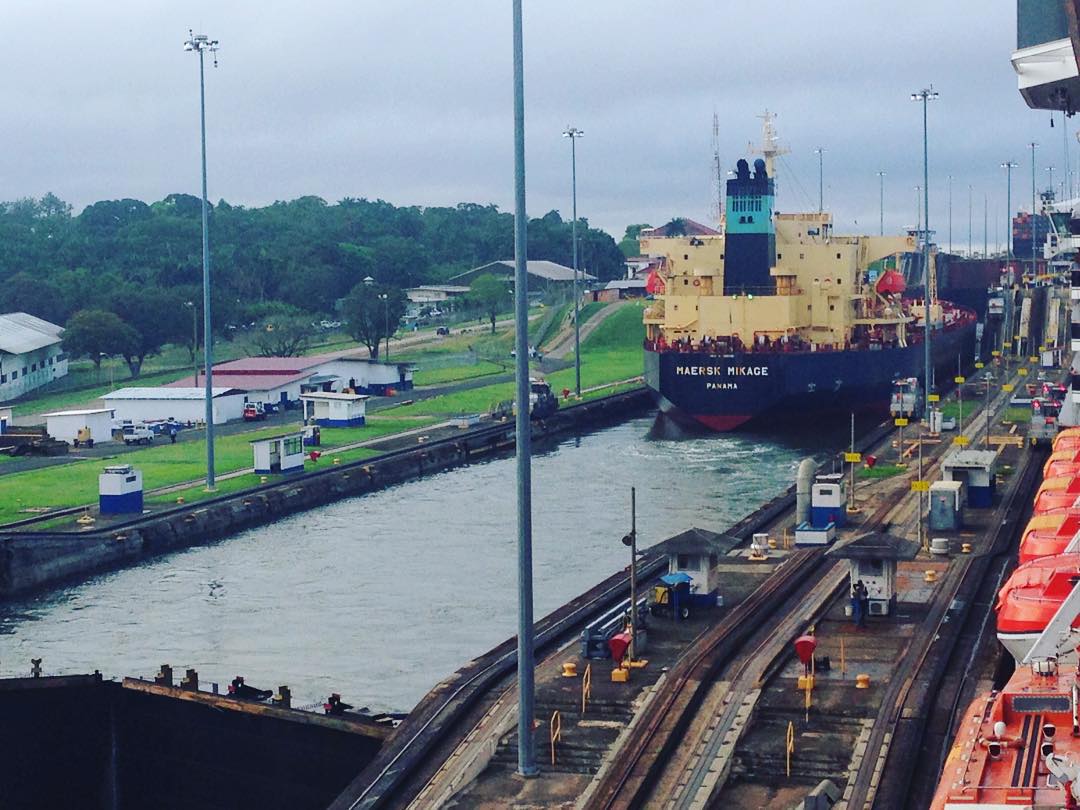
(385,298)
(820,179)
(1050,185)
(194,339)
(970,201)
(926,95)
(950,178)
(881,203)
(573,133)
(522,429)
(631,541)
(200,44)
(1034,242)
(1008,166)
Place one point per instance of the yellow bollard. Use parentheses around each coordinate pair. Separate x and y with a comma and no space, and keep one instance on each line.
(337,460)
(930,576)
(262,479)
(862,681)
(569,669)
(772,542)
(620,675)
(965,548)
(180,499)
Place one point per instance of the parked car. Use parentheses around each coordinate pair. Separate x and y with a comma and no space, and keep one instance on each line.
(948,423)
(443,330)
(137,434)
(254,412)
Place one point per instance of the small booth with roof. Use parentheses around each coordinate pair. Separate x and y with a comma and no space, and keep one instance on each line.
(279,454)
(120,490)
(692,559)
(872,559)
(828,511)
(330,409)
(976,469)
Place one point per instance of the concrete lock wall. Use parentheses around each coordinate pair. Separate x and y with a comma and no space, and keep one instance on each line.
(33,560)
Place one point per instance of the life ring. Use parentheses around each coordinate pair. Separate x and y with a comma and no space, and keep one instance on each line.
(697,282)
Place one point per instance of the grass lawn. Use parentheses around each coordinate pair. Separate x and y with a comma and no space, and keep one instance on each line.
(164,465)
(881,471)
(1014,415)
(465,371)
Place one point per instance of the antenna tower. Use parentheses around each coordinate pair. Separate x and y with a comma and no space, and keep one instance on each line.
(770,147)
(718,171)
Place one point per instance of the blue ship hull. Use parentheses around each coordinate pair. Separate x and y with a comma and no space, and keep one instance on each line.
(725,392)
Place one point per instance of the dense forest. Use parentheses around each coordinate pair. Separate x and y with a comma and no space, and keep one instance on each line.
(143,262)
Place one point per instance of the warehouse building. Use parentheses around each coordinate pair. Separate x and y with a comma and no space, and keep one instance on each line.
(30,354)
(186,405)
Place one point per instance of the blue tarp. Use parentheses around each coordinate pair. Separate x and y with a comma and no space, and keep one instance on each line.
(676,579)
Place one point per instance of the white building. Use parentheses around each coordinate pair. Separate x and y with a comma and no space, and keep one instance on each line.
(65,425)
(330,409)
(182,404)
(30,354)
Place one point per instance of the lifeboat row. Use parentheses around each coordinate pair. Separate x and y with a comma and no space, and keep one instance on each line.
(1020,746)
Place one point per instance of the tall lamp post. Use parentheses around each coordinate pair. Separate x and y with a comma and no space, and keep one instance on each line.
(926,95)
(1008,166)
(881,203)
(1034,242)
(526,744)
(385,298)
(950,213)
(200,44)
(820,179)
(573,133)
(970,201)
(194,339)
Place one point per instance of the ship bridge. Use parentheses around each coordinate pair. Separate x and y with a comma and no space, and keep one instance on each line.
(1046,56)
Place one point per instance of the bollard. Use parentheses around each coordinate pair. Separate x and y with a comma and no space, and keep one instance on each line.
(337,460)
(283,698)
(772,542)
(930,575)
(569,669)
(190,681)
(965,548)
(862,681)
(262,479)
(164,676)
(180,499)
(35,667)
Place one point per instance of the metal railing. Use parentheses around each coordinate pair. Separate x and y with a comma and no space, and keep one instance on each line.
(555,732)
(790,745)
(586,687)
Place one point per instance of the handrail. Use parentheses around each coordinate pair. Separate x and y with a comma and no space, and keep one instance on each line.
(586,687)
(790,745)
(555,732)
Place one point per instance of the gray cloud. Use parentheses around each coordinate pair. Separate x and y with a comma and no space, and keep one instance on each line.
(410,101)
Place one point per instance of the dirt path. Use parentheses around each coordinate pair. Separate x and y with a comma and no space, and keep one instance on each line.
(562,344)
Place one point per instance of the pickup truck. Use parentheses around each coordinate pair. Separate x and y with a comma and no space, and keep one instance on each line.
(137,434)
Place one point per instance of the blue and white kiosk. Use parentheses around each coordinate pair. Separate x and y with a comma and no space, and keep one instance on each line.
(331,409)
(120,490)
(283,453)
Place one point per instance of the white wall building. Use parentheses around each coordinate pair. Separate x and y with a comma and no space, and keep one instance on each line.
(30,354)
(65,425)
(331,409)
(182,404)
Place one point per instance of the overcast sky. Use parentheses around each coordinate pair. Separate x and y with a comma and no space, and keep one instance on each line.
(410,101)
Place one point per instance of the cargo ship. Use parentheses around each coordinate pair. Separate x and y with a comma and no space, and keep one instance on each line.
(774,317)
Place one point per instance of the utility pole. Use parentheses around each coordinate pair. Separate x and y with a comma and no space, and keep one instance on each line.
(200,43)
(969,220)
(573,134)
(1034,212)
(820,179)
(631,541)
(926,95)
(526,748)
(881,203)
(950,212)
(1008,166)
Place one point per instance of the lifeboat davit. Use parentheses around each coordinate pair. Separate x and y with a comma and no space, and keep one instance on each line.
(1030,598)
(1056,495)
(891,283)
(1048,535)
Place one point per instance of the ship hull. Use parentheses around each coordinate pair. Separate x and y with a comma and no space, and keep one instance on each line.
(727,392)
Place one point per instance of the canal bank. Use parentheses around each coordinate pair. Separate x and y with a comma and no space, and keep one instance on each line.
(32,559)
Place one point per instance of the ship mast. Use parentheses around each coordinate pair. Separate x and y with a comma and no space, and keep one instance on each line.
(721,213)
(770,147)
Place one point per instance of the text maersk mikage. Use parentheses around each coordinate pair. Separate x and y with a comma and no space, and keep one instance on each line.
(717,371)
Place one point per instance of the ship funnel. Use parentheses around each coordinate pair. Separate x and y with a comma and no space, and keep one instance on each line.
(804,483)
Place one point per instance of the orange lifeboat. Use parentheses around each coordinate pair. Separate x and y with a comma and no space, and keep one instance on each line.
(1066,441)
(1030,598)
(891,283)
(1047,535)
(1055,468)
(1066,435)
(1056,495)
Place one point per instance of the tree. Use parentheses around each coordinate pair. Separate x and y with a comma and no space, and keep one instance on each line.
(676,227)
(156,317)
(373,313)
(490,294)
(629,243)
(281,331)
(97,333)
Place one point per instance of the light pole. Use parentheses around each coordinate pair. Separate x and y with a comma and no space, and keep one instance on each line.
(631,541)
(950,213)
(918,211)
(194,339)
(573,133)
(926,95)
(820,179)
(970,207)
(200,43)
(526,749)
(385,298)
(1034,242)
(1008,166)
(881,203)
(1050,170)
